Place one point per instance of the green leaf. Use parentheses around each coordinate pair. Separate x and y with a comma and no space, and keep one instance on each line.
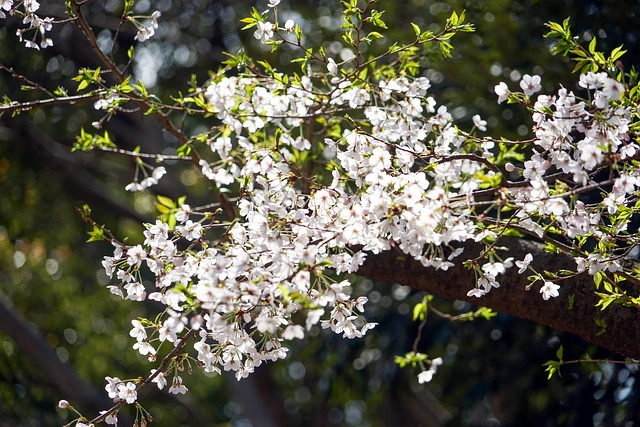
(96,234)
(453,19)
(184,150)
(128,4)
(400,361)
(597,278)
(560,352)
(298,32)
(592,45)
(486,313)
(552,367)
(171,221)
(166,201)
(82,85)
(419,311)
(617,53)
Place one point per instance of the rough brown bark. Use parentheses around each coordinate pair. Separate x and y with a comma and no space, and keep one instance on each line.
(622,333)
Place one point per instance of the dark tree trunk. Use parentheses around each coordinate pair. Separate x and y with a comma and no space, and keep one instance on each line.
(622,333)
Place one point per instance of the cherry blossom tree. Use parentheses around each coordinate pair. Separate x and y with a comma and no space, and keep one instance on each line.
(350,166)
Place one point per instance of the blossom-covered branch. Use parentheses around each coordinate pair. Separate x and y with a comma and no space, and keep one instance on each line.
(353,166)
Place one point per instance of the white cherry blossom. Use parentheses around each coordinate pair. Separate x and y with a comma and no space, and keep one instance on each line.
(264,30)
(502,91)
(530,84)
(524,264)
(549,290)
(127,392)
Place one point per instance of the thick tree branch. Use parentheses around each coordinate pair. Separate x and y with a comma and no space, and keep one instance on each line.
(622,334)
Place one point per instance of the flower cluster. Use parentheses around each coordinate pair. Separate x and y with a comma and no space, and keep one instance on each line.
(148,181)
(346,160)
(574,139)
(110,102)
(146,31)
(427,375)
(36,26)
(407,180)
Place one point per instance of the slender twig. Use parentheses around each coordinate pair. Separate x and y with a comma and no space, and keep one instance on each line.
(25,80)
(60,100)
(419,334)
(618,362)
(160,116)
(463,316)
(159,157)
(145,382)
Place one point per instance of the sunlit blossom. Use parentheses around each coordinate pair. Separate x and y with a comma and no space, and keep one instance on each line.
(264,31)
(530,84)
(502,91)
(549,290)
